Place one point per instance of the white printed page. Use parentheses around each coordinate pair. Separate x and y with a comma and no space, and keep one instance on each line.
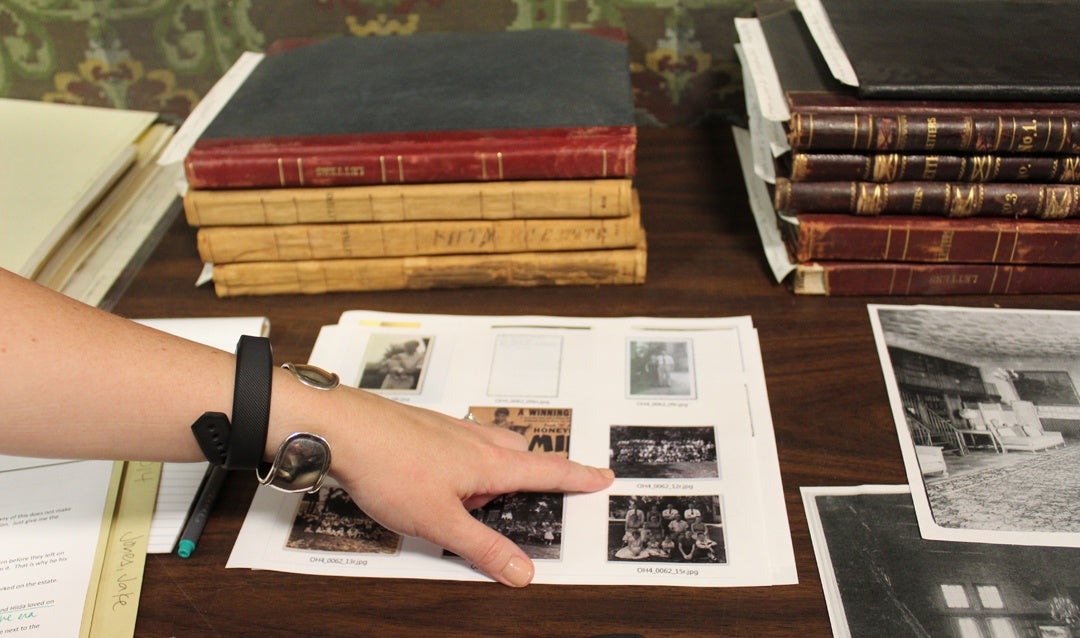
(677,408)
(48,540)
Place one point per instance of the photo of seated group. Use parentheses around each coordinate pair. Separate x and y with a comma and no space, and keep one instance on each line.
(666,529)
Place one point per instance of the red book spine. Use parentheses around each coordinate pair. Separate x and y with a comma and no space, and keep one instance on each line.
(918,239)
(867,278)
(413,158)
(941,199)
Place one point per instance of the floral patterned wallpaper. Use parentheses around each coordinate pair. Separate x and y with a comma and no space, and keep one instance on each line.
(163,55)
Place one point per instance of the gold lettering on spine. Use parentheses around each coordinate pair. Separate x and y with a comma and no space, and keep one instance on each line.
(931,167)
(931,133)
(1029,135)
(917,199)
(945,246)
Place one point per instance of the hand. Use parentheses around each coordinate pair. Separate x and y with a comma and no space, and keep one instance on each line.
(418,472)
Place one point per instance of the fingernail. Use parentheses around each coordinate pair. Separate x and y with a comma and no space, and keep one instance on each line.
(518,572)
(608,473)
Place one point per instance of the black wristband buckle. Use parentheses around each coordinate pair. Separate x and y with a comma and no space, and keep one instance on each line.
(241,442)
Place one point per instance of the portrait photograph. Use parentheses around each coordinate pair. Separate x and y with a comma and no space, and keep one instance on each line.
(395,363)
(660,368)
(638,451)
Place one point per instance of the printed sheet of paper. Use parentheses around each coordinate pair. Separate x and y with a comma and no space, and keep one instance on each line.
(49,540)
(678,408)
(882,578)
(987,409)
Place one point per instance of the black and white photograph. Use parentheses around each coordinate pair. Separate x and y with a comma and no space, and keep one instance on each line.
(639,451)
(660,368)
(988,412)
(666,529)
(394,363)
(881,578)
(329,521)
(533,520)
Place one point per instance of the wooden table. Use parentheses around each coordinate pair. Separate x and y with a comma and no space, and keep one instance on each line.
(828,398)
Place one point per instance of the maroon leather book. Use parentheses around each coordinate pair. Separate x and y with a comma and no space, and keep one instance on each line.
(826,115)
(434,107)
(926,239)
(840,278)
(895,167)
(941,199)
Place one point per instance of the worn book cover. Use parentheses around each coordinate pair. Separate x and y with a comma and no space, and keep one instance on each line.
(948,50)
(559,268)
(820,113)
(293,242)
(433,107)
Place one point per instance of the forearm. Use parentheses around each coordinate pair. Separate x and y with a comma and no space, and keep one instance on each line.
(83,383)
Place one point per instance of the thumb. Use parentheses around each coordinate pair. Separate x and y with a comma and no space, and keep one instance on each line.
(487,550)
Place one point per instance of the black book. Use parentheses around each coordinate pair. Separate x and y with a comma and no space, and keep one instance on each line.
(960,49)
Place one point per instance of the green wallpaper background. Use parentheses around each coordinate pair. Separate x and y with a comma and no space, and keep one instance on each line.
(163,55)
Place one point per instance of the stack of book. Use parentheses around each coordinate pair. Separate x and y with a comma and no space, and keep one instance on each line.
(80,193)
(941,160)
(433,161)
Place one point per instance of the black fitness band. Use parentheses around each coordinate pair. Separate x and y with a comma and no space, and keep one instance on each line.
(241,443)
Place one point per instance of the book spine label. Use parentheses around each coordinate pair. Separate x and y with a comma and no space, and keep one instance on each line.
(584,198)
(597,267)
(895,167)
(946,199)
(585,158)
(898,239)
(230,244)
(853,278)
(934,132)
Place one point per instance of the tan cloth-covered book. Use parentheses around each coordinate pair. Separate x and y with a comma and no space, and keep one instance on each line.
(582,267)
(229,244)
(586,198)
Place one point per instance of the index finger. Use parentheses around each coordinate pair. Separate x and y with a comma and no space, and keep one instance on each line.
(552,472)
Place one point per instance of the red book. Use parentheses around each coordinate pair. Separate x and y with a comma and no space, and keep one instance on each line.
(840,278)
(439,107)
(928,239)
